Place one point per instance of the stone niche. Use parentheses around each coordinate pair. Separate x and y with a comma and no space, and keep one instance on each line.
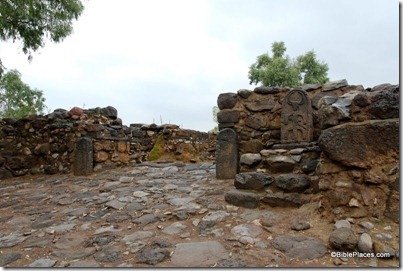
(335,141)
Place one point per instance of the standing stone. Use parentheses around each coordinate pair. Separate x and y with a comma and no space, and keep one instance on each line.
(296,115)
(227,154)
(83,160)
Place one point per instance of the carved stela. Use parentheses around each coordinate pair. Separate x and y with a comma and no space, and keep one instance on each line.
(296,117)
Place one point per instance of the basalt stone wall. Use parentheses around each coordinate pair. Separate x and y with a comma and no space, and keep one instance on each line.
(47,144)
(335,142)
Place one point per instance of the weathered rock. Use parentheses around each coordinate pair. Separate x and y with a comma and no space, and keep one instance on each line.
(284,200)
(342,224)
(260,105)
(280,163)
(385,103)
(250,159)
(258,121)
(8,258)
(300,224)
(292,182)
(300,247)
(343,239)
(228,116)
(227,154)
(83,158)
(251,146)
(244,93)
(109,112)
(266,90)
(334,85)
(108,255)
(216,216)
(242,198)
(152,256)
(343,143)
(310,87)
(174,228)
(365,243)
(43,262)
(252,180)
(198,254)
(226,100)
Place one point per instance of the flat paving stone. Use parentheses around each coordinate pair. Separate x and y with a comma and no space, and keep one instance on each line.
(9,258)
(43,262)
(198,254)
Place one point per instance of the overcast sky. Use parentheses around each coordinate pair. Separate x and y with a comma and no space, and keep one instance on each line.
(165,60)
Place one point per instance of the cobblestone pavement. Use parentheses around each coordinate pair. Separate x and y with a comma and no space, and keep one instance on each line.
(155,215)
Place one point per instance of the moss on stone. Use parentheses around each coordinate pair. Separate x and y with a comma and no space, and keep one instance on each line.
(158,149)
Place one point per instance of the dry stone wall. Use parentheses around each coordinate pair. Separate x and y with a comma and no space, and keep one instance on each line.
(335,143)
(47,144)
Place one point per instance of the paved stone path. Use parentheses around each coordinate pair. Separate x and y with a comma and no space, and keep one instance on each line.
(161,215)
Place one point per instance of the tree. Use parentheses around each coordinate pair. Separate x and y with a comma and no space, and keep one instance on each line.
(17,99)
(280,70)
(33,21)
(215,112)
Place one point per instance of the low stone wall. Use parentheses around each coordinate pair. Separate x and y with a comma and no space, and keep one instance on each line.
(47,144)
(342,139)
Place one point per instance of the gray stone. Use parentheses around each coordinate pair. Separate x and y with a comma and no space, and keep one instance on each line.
(251,159)
(365,243)
(385,103)
(310,87)
(226,100)
(266,90)
(366,225)
(384,236)
(343,239)
(138,235)
(310,166)
(248,230)
(242,198)
(216,216)
(75,253)
(115,204)
(343,142)
(296,115)
(84,264)
(174,228)
(137,246)
(283,200)
(12,239)
(252,180)
(8,258)
(280,163)
(300,247)
(83,157)
(180,201)
(300,224)
(228,116)
(117,217)
(226,154)
(260,105)
(108,255)
(334,85)
(109,112)
(43,262)
(152,256)
(199,254)
(146,219)
(232,263)
(38,242)
(60,228)
(244,93)
(292,182)
(342,224)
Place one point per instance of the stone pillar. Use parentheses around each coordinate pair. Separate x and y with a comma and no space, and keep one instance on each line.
(83,157)
(296,117)
(227,154)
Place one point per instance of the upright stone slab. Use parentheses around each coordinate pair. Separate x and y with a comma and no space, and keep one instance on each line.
(227,154)
(296,116)
(83,158)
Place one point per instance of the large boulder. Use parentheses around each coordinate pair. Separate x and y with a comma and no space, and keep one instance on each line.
(292,182)
(226,100)
(252,180)
(385,103)
(362,144)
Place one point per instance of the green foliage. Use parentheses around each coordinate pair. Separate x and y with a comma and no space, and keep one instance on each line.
(34,21)
(17,99)
(280,70)
(158,149)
